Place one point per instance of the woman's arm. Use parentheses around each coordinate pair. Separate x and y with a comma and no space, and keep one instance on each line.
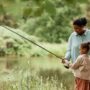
(68,52)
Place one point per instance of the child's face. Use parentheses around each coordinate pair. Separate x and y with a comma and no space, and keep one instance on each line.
(83,50)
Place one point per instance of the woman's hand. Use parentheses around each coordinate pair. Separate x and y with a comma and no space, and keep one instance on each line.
(63,61)
(66,63)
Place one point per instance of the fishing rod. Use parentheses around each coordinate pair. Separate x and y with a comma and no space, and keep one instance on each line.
(33,42)
(65,65)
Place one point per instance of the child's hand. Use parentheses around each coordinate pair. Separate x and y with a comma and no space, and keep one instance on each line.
(70,65)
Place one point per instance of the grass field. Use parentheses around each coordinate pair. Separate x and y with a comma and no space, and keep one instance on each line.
(39,71)
(36,73)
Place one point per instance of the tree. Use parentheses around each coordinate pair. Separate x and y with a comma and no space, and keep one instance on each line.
(48,19)
(51,18)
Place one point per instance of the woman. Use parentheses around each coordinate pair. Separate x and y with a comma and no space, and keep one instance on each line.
(80,34)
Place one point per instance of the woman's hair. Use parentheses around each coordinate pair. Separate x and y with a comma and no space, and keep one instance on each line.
(85,45)
(80,21)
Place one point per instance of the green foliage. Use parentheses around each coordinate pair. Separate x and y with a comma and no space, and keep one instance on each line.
(58,49)
(48,19)
(51,20)
(10,43)
(2,10)
(50,8)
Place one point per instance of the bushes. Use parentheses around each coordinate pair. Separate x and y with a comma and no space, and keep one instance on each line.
(47,19)
(52,22)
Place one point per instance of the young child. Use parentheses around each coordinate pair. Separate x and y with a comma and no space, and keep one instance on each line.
(81,68)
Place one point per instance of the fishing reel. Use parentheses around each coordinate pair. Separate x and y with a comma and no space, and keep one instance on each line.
(66,66)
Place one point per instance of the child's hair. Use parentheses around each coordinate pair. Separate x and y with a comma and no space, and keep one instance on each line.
(85,45)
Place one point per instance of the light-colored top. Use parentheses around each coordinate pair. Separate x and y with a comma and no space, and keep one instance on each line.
(74,44)
(81,67)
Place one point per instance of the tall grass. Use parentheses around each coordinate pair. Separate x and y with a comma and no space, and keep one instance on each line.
(44,72)
(58,49)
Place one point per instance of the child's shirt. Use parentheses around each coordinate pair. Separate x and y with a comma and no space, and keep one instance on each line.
(81,67)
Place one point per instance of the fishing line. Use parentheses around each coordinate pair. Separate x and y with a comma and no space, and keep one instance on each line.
(33,42)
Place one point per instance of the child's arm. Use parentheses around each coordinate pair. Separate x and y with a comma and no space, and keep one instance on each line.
(77,63)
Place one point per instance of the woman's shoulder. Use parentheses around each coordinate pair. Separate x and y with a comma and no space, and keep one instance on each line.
(72,34)
(88,30)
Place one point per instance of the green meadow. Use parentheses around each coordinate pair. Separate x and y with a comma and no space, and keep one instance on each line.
(39,71)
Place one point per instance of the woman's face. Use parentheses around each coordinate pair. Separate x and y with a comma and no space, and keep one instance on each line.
(78,29)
